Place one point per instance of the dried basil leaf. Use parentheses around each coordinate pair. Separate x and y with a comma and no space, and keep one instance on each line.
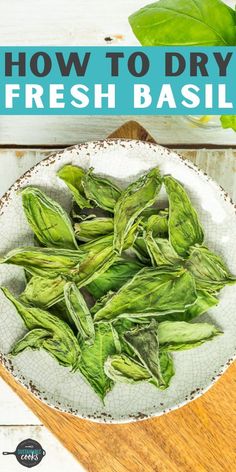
(100,190)
(91,229)
(208,269)
(133,200)
(43,292)
(184,226)
(45,262)
(179,335)
(49,222)
(151,292)
(63,345)
(79,312)
(93,359)
(33,339)
(144,342)
(161,252)
(113,279)
(121,368)
(72,177)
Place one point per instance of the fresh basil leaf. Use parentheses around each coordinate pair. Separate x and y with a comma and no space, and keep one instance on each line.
(93,359)
(184,226)
(204,302)
(100,190)
(179,335)
(133,200)
(185,23)
(72,177)
(228,121)
(79,312)
(151,292)
(49,222)
(63,344)
(208,269)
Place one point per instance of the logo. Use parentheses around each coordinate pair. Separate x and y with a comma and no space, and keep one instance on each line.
(28,453)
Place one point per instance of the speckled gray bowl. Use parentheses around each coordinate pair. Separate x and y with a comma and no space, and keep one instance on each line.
(196,370)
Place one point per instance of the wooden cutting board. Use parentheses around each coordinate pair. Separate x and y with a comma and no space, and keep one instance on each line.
(199,437)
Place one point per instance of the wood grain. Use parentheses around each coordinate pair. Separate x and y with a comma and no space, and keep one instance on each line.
(199,437)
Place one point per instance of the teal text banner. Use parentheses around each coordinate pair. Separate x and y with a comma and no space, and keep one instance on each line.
(117,81)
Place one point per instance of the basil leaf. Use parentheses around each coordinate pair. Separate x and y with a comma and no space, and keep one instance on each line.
(91,229)
(100,190)
(161,252)
(113,279)
(167,368)
(93,359)
(185,23)
(47,262)
(33,340)
(49,222)
(204,302)
(158,224)
(228,121)
(208,269)
(43,292)
(151,292)
(121,368)
(184,227)
(63,345)
(72,177)
(179,335)
(138,196)
(144,341)
(79,312)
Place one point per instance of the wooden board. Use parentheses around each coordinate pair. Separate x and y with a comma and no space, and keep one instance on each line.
(199,437)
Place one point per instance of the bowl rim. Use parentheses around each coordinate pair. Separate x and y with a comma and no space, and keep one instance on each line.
(4,358)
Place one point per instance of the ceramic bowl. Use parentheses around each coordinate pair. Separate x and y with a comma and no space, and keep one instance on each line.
(197,369)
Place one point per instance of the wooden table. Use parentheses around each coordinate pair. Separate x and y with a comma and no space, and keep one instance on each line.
(199,437)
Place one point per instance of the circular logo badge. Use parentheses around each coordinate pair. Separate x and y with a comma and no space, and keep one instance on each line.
(28,453)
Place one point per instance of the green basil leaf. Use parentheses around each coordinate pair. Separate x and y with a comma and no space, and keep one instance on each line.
(121,368)
(133,200)
(113,279)
(161,252)
(179,335)
(208,269)
(100,190)
(93,359)
(151,292)
(167,368)
(91,229)
(185,23)
(47,262)
(184,227)
(158,224)
(33,340)
(49,222)
(63,345)
(228,121)
(72,177)
(204,302)
(79,312)
(43,292)
(144,341)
